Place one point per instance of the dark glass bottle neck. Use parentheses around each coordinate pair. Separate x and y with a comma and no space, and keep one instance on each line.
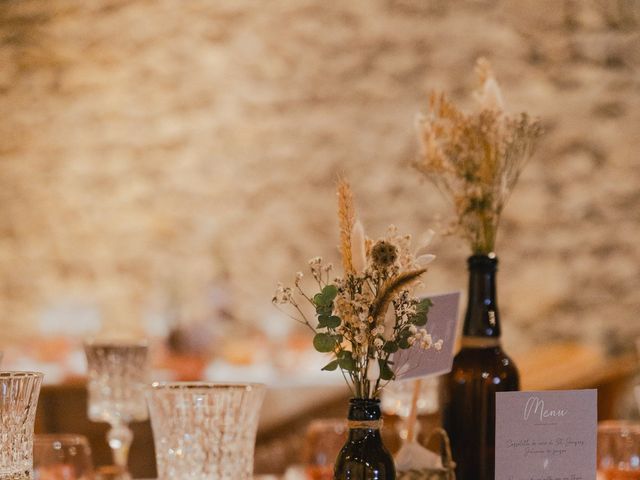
(364,420)
(364,409)
(482,318)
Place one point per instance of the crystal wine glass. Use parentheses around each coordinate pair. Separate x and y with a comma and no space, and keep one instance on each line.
(18,399)
(118,375)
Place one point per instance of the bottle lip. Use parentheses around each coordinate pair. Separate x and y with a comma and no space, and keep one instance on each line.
(364,401)
(484,260)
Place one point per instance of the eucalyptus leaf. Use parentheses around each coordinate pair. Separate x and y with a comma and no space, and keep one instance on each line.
(422,309)
(324,342)
(347,362)
(322,321)
(319,300)
(324,310)
(329,293)
(331,366)
(385,371)
(419,319)
(332,322)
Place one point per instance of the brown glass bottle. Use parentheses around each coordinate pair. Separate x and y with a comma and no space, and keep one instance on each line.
(479,370)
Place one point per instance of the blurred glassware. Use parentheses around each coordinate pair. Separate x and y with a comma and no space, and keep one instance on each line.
(618,450)
(18,400)
(397,396)
(322,444)
(204,430)
(118,374)
(107,472)
(62,457)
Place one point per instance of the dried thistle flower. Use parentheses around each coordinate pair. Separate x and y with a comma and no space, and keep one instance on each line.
(384,254)
(475,159)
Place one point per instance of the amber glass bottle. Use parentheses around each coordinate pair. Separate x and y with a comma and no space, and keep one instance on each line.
(364,457)
(479,370)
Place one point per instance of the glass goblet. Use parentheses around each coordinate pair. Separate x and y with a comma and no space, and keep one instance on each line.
(62,456)
(118,374)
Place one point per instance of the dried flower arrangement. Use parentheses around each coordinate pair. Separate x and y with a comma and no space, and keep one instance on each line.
(369,313)
(476,159)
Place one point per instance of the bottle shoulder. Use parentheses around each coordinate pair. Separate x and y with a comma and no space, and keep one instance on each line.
(493,358)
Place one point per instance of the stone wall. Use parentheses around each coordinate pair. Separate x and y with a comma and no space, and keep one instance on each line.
(149,146)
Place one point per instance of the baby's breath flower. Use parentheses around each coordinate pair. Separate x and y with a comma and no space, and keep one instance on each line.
(282,295)
(426,342)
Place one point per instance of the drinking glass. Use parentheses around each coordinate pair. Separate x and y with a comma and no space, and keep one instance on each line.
(18,400)
(118,375)
(62,457)
(204,430)
(618,450)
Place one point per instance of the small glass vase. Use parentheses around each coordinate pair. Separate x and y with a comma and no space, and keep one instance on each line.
(204,430)
(364,457)
(19,393)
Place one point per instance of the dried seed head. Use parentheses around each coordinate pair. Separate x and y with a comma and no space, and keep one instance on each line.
(384,254)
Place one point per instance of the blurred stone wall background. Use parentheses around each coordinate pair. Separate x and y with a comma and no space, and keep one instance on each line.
(152,148)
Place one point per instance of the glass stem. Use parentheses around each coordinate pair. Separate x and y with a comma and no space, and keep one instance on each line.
(119,438)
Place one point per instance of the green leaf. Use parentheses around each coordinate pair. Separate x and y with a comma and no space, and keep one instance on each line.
(324,342)
(390,347)
(324,310)
(424,305)
(331,366)
(403,341)
(332,322)
(385,371)
(347,362)
(322,321)
(329,293)
(422,309)
(419,319)
(319,300)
